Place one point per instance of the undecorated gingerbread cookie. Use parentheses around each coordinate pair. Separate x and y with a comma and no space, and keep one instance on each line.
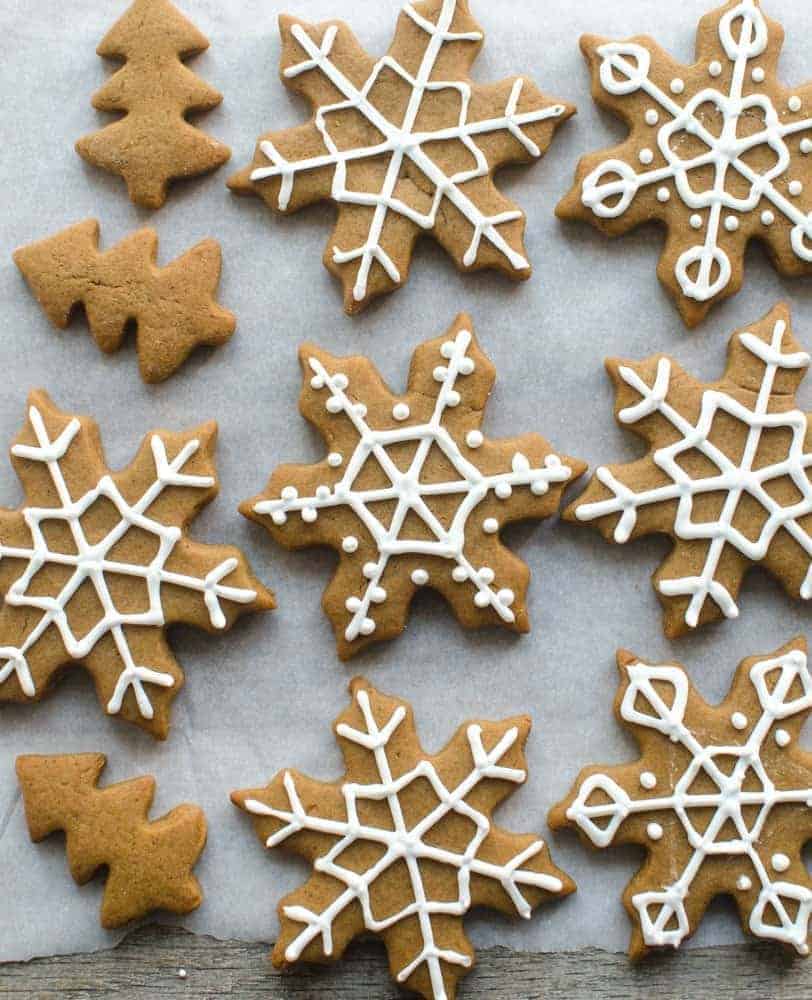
(404,844)
(719,798)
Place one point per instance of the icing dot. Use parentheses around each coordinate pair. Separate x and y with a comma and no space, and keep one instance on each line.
(279,517)
(482,599)
(340,380)
(322,492)
(696,221)
(439,373)
(459,574)
(453,398)
(309,514)
(369,570)
(715,68)
(350,544)
(377,595)
(780,862)
(654,830)
(486,574)
(806,146)
(731,223)
(420,577)
(503,490)
(334,459)
(447,350)
(767,217)
(648,780)
(474,439)
(289,493)
(539,487)
(490,525)
(317,382)
(738,720)
(795,188)
(782,737)
(677,85)
(466,366)
(506,596)
(333,405)
(743,883)
(758,74)
(646,156)
(794,103)
(652,117)
(400,411)
(663,194)
(367,626)
(181,973)
(352,604)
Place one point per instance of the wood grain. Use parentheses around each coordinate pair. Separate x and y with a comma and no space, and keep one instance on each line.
(146,965)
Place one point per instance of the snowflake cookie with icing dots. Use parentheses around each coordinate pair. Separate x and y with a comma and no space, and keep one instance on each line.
(404,845)
(726,475)
(404,145)
(411,494)
(96,565)
(720,798)
(719,152)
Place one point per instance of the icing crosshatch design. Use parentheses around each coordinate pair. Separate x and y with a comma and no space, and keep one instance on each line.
(719,798)
(726,475)
(719,152)
(403,145)
(96,565)
(404,845)
(411,493)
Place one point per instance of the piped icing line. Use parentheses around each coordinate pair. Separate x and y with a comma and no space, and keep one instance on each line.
(403,844)
(735,479)
(408,492)
(403,141)
(609,190)
(728,802)
(91,563)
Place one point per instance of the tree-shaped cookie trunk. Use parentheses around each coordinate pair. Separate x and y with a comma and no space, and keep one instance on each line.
(153,144)
(149,863)
(173,307)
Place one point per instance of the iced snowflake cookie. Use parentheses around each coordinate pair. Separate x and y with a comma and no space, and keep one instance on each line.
(726,475)
(404,845)
(149,863)
(719,153)
(96,565)
(411,494)
(173,307)
(153,143)
(403,145)
(719,798)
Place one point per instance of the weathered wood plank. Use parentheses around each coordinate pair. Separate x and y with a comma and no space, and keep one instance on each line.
(146,965)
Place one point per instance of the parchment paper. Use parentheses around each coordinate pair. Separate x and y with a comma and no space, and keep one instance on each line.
(264,696)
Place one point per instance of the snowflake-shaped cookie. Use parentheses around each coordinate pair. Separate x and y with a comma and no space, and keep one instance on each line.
(403,145)
(719,152)
(720,798)
(404,845)
(96,565)
(411,494)
(726,475)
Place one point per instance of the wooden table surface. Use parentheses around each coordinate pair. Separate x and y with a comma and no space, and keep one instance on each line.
(148,964)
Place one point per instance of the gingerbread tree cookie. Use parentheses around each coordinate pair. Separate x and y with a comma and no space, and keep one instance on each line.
(403,145)
(96,565)
(404,845)
(726,475)
(173,307)
(149,863)
(411,494)
(719,798)
(153,143)
(718,152)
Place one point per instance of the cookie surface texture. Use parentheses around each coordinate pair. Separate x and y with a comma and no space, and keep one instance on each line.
(718,153)
(726,475)
(149,863)
(404,845)
(96,565)
(153,143)
(411,494)
(404,145)
(173,307)
(719,798)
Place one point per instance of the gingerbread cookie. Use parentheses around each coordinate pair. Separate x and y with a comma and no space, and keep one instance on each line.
(718,153)
(153,143)
(411,494)
(173,307)
(149,863)
(96,565)
(726,475)
(404,845)
(404,145)
(719,798)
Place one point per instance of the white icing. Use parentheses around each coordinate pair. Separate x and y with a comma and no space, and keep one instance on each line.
(782,737)
(795,188)
(794,103)
(704,270)
(731,223)
(654,831)
(400,844)
(474,439)
(733,478)
(646,156)
(420,577)
(715,68)
(743,883)
(663,195)
(401,141)
(767,217)
(648,780)
(773,681)
(490,525)
(334,460)
(696,221)
(806,146)
(652,116)
(738,720)
(350,544)
(400,411)
(91,563)
(410,494)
